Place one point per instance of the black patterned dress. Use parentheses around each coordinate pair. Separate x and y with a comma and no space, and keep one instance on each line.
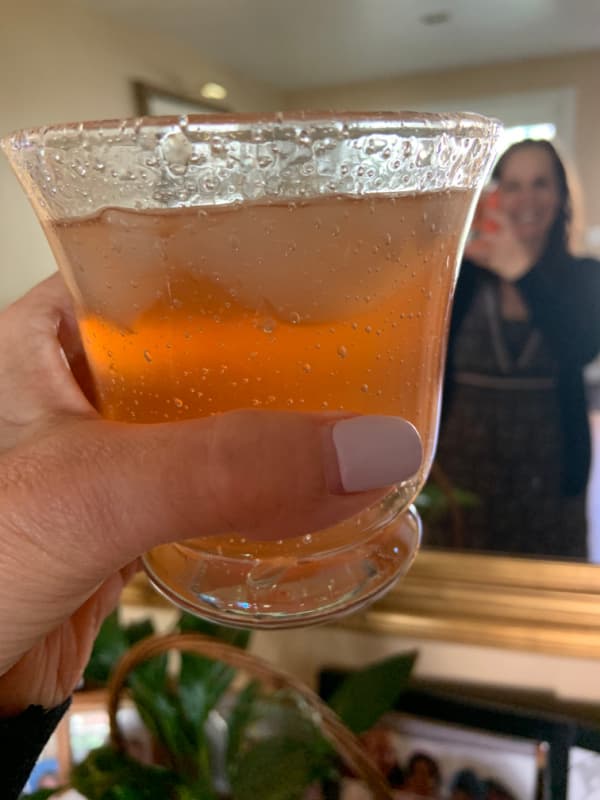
(501,439)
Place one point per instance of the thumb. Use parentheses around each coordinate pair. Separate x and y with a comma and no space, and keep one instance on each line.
(111,491)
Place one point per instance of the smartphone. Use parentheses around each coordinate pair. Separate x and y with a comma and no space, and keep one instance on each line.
(488,201)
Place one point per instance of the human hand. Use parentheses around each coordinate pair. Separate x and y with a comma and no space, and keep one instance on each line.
(81,497)
(498,249)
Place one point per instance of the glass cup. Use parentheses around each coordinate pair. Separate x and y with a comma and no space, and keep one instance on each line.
(285,261)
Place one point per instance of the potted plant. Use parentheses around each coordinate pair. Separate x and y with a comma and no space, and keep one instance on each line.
(215,739)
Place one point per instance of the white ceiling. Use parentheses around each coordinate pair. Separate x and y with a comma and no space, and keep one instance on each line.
(294,44)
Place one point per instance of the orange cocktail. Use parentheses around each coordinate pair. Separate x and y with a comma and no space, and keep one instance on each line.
(326,285)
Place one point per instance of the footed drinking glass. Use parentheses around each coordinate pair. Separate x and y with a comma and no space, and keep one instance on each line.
(286,261)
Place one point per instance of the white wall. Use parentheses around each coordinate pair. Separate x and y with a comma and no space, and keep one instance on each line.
(306,651)
(60,61)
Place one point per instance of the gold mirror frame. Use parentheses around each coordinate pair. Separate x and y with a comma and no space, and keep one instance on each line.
(517,603)
(526,604)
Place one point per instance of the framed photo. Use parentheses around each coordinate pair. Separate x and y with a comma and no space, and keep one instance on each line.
(481,743)
(437,760)
(155,102)
(584,774)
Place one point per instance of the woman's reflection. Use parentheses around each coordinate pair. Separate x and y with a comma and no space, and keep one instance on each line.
(526,320)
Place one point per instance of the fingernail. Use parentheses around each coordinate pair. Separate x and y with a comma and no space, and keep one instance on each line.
(376,451)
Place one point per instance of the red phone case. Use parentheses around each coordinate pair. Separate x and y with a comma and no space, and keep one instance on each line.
(487,202)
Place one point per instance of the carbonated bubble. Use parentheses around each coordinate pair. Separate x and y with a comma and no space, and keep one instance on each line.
(268,325)
(342,351)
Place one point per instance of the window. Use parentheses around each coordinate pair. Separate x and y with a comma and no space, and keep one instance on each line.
(514,133)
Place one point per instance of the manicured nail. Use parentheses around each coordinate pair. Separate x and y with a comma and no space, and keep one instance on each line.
(376,451)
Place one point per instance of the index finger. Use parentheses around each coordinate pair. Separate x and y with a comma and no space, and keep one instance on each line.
(40,340)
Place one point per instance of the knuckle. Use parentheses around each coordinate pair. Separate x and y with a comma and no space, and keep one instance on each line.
(56,498)
(265,471)
(232,458)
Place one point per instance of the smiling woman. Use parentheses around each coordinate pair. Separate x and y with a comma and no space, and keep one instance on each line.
(526,321)
(532,193)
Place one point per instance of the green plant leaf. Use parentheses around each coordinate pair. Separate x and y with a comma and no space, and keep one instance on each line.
(467,499)
(108,775)
(137,631)
(241,715)
(175,712)
(370,692)
(198,791)
(111,643)
(434,505)
(274,769)
(283,715)
(203,681)
(160,710)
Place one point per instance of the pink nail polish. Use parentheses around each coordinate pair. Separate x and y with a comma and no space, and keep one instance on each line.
(376,451)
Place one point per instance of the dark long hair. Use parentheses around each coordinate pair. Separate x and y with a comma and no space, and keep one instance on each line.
(560,232)
(432,766)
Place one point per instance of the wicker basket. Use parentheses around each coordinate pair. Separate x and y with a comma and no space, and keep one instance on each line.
(345,743)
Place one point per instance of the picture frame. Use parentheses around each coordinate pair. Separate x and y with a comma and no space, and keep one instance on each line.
(153,101)
(536,605)
(584,772)
(447,758)
(530,744)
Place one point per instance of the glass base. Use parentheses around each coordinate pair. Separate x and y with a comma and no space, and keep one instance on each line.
(286,592)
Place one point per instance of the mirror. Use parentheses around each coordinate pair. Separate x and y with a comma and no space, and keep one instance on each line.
(529,66)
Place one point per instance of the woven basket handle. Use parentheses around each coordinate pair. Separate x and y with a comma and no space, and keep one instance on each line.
(343,740)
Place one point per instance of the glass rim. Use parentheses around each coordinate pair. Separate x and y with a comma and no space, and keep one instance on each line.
(463,123)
